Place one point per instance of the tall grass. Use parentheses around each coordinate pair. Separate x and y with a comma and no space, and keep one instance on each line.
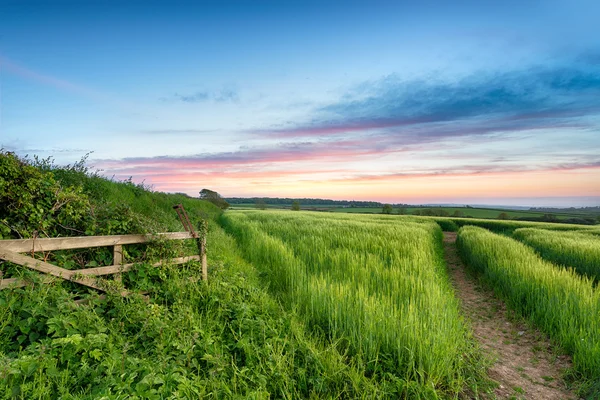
(570,249)
(225,338)
(562,303)
(500,226)
(377,287)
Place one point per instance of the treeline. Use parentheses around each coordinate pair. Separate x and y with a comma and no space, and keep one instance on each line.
(285,201)
(570,210)
(590,220)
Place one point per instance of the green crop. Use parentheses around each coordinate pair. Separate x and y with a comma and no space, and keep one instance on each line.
(562,303)
(376,286)
(570,249)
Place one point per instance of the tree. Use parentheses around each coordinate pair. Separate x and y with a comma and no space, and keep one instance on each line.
(214,197)
(503,216)
(458,213)
(401,211)
(387,209)
(296,205)
(260,204)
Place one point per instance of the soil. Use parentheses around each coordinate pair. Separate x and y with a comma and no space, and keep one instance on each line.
(525,364)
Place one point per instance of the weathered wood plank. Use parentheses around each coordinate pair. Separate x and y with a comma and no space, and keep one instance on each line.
(80,242)
(13,282)
(18,282)
(47,268)
(114,269)
(204,261)
(97,271)
(118,259)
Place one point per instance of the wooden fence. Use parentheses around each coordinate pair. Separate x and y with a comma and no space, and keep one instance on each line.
(12,250)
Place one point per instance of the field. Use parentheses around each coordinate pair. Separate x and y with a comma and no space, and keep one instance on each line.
(298,304)
(578,250)
(377,287)
(559,301)
(460,212)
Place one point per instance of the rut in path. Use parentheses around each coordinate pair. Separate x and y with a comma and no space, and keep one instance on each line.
(524,364)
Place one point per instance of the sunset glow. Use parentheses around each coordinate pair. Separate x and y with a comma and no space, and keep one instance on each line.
(393,102)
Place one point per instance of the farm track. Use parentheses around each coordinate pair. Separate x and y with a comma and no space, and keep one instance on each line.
(524,363)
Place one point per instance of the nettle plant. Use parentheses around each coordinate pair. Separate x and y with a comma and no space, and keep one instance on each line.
(34,204)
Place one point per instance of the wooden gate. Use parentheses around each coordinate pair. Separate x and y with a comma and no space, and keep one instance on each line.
(12,250)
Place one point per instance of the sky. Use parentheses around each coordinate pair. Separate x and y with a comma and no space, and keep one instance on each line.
(467,102)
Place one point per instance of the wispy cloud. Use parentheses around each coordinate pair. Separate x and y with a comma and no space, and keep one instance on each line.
(220,96)
(64,85)
(176,131)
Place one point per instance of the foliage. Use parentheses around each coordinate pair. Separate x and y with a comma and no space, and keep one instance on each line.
(260,204)
(279,201)
(296,205)
(189,339)
(214,197)
(570,249)
(34,204)
(387,209)
(563,304)
(377,288)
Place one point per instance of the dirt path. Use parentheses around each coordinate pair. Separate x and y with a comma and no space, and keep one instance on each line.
(525,367)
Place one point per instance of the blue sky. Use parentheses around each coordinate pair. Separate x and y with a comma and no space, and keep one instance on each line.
(467,102)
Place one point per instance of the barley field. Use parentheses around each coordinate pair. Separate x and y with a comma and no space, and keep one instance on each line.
(562,303)
(377,287)
(578,250)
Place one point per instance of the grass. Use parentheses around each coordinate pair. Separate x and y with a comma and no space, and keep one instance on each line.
(377,288)
(560,302)
(229,338)
(578,250)
(505,227)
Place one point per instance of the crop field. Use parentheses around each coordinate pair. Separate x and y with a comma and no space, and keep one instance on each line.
(378,287)
(505,227)
(563,304)
(297,305)
(578,250)
(456,212)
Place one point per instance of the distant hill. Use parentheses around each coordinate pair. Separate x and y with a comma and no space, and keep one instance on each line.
(286,201)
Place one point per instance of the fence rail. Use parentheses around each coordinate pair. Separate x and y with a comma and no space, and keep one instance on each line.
(11,250)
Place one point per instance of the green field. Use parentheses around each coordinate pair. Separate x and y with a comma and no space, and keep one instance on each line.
(298,304)
(559,301)
(578,250)
(460,212)
(378,287)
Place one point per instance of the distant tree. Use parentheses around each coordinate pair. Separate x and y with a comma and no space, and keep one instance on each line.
(296,205)
(458,213)
(214,197)
(417,212)
(549,218)
(427,212)
(402,210)
(260,204)
(503,215)
(443,213)
(387,209)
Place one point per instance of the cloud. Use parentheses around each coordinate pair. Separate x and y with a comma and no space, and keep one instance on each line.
(63,85)
(259,157)
(177,131)
(219,96)
(532,98)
